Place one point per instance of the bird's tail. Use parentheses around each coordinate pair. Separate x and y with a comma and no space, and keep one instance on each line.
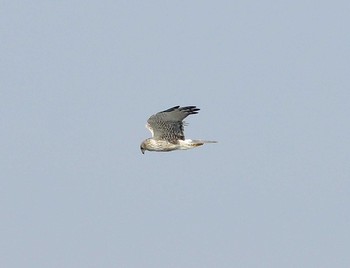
(196,143)
(189,144)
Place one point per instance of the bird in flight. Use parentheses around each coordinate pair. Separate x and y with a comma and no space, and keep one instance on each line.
(167,128)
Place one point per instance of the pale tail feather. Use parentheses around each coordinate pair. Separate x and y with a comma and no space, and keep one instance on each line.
(201,142)
(187,144)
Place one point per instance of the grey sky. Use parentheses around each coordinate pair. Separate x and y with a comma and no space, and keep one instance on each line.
(79,80)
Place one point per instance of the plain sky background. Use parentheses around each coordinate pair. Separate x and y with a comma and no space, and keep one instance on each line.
(79,80)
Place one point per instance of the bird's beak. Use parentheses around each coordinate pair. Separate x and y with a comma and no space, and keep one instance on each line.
(142,151)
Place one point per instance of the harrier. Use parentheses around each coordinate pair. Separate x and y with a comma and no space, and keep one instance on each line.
(167,128)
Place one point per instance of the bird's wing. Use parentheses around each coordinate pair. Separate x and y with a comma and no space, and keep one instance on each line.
(168,124)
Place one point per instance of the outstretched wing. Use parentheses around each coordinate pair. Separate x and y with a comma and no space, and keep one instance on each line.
(168,124)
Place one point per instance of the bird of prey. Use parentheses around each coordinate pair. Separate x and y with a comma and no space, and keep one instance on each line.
(167,128)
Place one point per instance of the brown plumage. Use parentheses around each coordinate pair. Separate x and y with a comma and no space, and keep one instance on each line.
(167,128)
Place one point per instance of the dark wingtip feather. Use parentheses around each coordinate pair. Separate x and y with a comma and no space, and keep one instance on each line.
(190,109)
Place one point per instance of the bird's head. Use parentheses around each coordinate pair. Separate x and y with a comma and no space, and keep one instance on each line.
(143,147)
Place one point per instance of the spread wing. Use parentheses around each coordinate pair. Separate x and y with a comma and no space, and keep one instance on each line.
(168,124)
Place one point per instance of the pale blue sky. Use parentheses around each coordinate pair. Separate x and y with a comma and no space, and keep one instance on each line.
(79,80)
